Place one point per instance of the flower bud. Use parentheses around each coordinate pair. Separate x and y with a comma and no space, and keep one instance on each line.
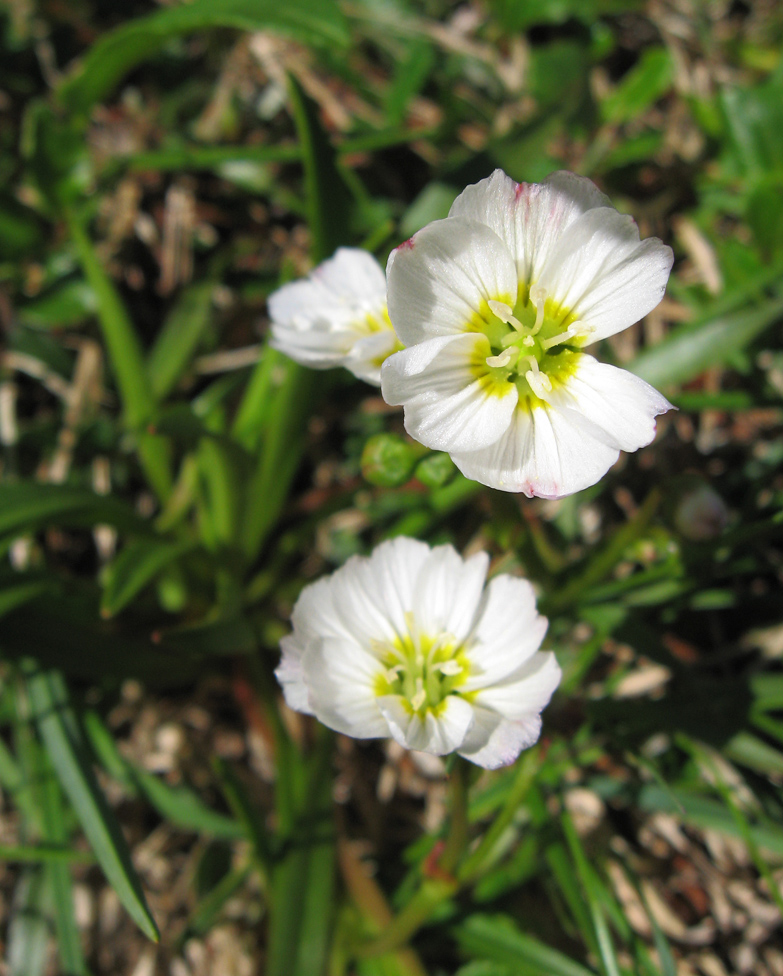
(388,460)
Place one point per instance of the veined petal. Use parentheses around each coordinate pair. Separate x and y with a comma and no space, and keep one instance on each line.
(525,691)
(368,355)
(621,406)
(318,346)
(291,677)
(372,596)
(438,735)
(508,632)
(530,217)
(449,592)
(545,452)
(340,677)
(352,279)
(451,401)
(441,279)
(603,273)
(494,741)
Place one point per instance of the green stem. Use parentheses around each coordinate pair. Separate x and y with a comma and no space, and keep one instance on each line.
(474,863)
(457,838)
(416,913)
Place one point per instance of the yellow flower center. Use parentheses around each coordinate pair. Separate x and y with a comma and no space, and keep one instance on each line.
(422,669)
(535,345)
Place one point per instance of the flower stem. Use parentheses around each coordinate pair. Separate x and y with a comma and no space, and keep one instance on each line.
(417,912)
(457,838)
(473,865)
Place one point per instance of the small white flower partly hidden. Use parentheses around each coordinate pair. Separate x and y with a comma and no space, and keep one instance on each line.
(495,305)
(337,316)
(410,643)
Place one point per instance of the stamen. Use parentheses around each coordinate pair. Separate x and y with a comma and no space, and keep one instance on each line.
(449,667)
(560,337)
(505,313)
(539,382)
(505,358)
(391,674)
(538,298)
(420,697)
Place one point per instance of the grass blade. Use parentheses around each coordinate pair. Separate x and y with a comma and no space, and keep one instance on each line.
(59,731)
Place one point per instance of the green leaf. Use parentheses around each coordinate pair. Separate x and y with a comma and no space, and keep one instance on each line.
(643,85)
(497,939)
(182,807)
(179,338)
(26,505)
(68,304)
(690,349)
(317,22)
(27,947)
(61,735)
(14,596)
(136,566)
(327,196)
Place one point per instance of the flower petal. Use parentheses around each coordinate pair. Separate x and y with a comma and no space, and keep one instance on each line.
(318,346)
(438,736)
(529,217)
(494,741)
(448,592)
(450,404)
(508,632)
(340,677)
(351,280)
(603,273)
(291,677)
(621,406)
(525,691)
(546,452)
(373,595)
(369,353)
(441,279)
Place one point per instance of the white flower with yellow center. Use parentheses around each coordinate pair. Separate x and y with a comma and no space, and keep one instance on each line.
(495,305)
(337,316)
(410,643)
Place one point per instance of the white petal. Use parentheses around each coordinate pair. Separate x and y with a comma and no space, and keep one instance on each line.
(547,453)
(448,592)
(495,741)
(450,405)
(441,279)
(621,406)
(368,354)
(315,615)
(525,691)
(340,677)
(373,595)
(318,346)
(291,677)
(604,274)
(508,632)
(439,736)
(530,217)
(352,279)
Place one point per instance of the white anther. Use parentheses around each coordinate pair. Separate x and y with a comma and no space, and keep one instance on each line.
(391,674)
(420,697)
(538,298)
(505,313)
(449,667)
(528,341)
(560,337)
(505,358)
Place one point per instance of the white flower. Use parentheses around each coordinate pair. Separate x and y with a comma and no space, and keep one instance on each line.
(337,316)
(495,304)
(409,642)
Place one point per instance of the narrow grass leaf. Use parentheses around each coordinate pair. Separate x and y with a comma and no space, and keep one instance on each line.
(27,942)
(115,54)
(691,348)
(28,505)
(497,939)
(57,724)
(179,338)
(135,567)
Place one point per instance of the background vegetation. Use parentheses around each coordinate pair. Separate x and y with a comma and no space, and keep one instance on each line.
(169,484)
